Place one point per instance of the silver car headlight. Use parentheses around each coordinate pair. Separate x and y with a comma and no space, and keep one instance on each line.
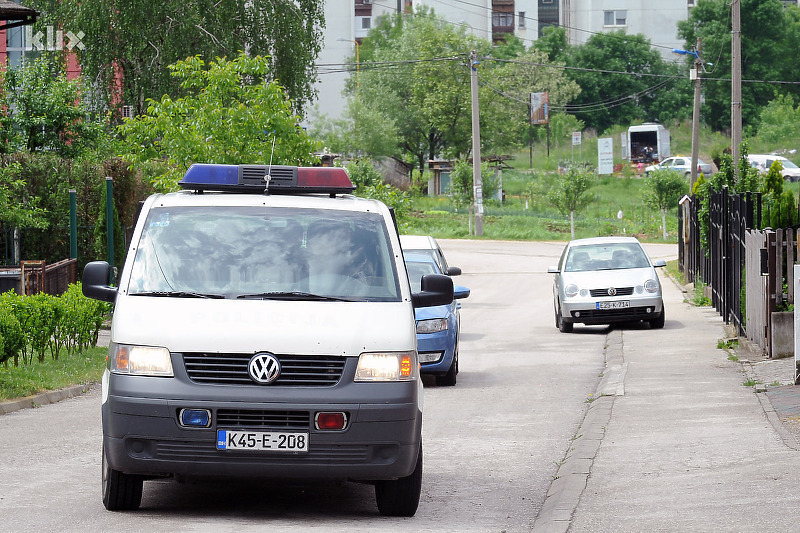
(387,366)
(651,285)
(570,290)
(139,360)
(433,325)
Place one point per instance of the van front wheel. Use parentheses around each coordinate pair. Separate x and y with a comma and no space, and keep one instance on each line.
(400,497)
(121,492)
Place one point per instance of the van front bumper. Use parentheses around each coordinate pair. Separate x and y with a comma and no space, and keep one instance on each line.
(144,436)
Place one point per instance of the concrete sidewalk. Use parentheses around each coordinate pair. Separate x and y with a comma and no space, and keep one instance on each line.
(676,441)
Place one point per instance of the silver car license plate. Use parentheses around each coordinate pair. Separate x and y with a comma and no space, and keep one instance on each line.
(621,304)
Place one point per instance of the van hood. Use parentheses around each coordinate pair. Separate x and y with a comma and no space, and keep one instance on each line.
(249,326)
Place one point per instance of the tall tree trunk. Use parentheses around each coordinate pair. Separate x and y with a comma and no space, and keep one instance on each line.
(572,223)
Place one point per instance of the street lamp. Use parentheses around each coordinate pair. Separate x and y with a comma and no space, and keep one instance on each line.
(358,61)
(694,74)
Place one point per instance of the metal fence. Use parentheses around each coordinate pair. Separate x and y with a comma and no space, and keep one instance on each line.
(719,260)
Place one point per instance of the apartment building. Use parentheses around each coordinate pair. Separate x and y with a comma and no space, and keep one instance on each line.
(349,21)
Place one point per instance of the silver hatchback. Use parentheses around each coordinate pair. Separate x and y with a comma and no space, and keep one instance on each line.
(605,280)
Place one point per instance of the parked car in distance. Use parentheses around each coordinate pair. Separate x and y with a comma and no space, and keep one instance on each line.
(427,245)
(605,280)
(763,162)
(681,164)
(439,326)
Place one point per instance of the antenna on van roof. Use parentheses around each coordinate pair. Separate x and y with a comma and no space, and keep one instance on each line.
(268,175)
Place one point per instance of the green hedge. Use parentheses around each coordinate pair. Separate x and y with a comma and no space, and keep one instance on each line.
(32,326)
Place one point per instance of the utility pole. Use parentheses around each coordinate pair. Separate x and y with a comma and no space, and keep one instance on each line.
(736,84)
(477,186)
(696,114)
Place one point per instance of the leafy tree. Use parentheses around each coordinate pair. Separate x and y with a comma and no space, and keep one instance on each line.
(553,42)
(462,189)
(132,42)
(43,111)
(769,52)
(530,72)
(779,120)
(569,195)
(608,98)
(779,206)
(15,209)
(414,85)
(231,113)
(663,189)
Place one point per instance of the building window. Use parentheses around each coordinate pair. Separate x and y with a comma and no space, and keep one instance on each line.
(366,23)
(521,17)
(615,18)
(502,20)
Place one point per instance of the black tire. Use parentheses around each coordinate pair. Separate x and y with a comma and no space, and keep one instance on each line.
(449,379)
(121,492)
(400,497)
(658,323)
(562,325)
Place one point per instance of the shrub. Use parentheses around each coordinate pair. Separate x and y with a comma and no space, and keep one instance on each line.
(13,338)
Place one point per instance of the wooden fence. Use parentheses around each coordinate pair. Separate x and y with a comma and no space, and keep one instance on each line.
(33,277)
(771,256)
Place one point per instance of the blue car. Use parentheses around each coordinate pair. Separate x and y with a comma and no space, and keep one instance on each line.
(438,326)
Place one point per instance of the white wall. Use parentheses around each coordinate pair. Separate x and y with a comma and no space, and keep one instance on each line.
(658,21)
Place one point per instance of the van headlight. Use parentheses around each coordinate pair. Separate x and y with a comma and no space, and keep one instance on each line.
(433,325)
(139,360)
(387,366)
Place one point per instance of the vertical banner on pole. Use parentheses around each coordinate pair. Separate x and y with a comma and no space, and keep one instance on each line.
(605,155)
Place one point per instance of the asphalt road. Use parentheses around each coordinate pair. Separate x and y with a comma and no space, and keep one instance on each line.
(493,443)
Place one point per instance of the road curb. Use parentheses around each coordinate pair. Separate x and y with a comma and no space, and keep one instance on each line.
(43,398)
(568,485)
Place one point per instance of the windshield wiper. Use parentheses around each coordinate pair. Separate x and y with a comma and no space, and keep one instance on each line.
(178,294)
(291,295)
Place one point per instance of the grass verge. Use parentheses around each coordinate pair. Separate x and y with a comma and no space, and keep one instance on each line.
(33,378)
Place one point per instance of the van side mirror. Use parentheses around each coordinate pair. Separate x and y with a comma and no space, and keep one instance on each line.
(436,289)
(94,282)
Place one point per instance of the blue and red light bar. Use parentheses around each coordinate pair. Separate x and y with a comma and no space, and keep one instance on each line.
(266,179)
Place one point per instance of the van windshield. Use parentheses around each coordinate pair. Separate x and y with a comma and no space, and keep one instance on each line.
(264,253)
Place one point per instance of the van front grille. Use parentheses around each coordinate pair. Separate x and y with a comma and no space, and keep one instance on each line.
(296,370)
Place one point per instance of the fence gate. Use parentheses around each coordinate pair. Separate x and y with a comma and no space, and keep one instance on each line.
(757,309)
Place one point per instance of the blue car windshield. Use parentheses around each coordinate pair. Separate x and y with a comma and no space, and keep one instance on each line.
(264,252)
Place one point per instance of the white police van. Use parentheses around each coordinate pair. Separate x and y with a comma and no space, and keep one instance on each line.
(263,327)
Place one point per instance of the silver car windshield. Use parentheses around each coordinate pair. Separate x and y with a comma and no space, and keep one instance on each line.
(610,256)
(264,253)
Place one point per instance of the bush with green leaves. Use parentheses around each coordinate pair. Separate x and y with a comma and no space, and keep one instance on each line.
(39,323)
(13,338)
(30,325)
(363,174)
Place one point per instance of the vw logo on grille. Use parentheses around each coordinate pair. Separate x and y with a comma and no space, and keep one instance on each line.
(612,291)
(264,368)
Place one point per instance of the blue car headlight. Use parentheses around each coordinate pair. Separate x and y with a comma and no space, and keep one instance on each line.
(432,326)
